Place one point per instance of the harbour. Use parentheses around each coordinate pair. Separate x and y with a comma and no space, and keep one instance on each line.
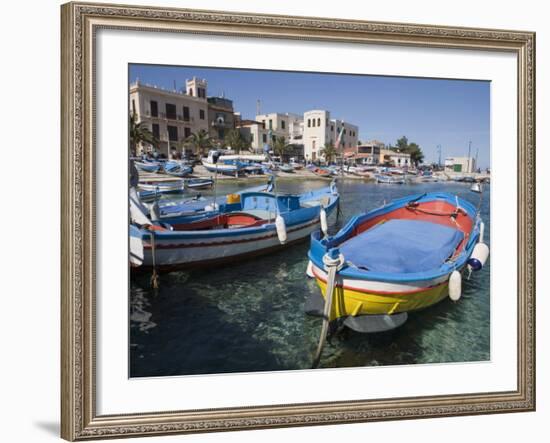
(249,316)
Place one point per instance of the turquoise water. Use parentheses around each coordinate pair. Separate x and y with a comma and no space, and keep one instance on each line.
(249,316)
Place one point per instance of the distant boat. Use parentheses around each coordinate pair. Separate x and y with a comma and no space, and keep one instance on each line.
(147,166)
(389,179)
(401,257)
(198,183)
(286,168)
(296,166)
(177,169)
(320,172)
(255,224)
(172,187)
(228,166)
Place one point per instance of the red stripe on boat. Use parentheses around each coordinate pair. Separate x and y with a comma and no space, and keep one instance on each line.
(415,291)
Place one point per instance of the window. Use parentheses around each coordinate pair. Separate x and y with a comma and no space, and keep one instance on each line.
(318,122)
(173,133)
(313,121)
(282,124)
(201,114)
(154,109)
(313,146)
(263,124)
(201,92)
(344,132)
(308,123)
(270,124)
(190,91)
(156,130)
(186,113)
(331,128)
(264,138)
(171,111)
(187,132)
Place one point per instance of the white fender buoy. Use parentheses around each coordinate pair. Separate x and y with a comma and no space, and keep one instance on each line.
(309,270)
(455,286)
(324,223)
(479,256)
(481,232)
(211,208)
(281,228)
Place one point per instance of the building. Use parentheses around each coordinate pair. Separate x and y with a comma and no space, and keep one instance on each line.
(460,164)
(254,132)
(319,129)
(366,154)
(221,117)
(285,125)
(394,158)
(170,115)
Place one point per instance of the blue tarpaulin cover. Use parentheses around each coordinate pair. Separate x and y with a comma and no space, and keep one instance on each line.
(402,246)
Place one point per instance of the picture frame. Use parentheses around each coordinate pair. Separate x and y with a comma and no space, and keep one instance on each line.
(80,23)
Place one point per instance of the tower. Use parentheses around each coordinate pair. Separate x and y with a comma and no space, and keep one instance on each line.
(196,87)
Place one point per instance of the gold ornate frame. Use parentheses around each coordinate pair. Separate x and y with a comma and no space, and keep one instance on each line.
(80,21)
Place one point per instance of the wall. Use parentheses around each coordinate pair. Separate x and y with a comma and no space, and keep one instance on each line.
(29,373)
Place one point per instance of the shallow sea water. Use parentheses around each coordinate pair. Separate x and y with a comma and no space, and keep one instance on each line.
(250,316)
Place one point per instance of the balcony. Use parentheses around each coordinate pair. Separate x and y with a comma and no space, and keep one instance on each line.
(172,117)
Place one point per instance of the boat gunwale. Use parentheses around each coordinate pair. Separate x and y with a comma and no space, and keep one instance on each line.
(321,246)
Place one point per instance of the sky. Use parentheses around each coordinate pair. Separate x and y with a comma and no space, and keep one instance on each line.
(429,112)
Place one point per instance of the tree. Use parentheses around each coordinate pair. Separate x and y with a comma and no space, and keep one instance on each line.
(329,152)
(403,145)
(280,146)
(417,156)
(201,141)
(140,133)
(235,140)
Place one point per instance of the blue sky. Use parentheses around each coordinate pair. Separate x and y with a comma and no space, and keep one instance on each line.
(429,112)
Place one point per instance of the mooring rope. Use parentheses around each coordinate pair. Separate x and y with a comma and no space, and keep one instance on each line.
(333,262)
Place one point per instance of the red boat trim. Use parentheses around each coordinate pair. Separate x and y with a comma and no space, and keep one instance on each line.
(362,290)
(222,243)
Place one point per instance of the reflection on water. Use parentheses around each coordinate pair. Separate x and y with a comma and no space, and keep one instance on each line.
(249,316)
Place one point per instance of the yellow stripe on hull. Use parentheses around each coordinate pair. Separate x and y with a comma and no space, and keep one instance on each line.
(348,302)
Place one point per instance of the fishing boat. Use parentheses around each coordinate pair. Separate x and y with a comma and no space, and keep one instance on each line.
(389,179)
(320,172)
(217,163)
(402,257)
(197,207)
(296,166)
(177,169)
(147,166)
(167,187)
(198,183)
(286,168)
(252,224)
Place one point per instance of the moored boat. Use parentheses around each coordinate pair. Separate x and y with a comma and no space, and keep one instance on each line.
(405,256)
(389,179)
(147,166)
(199,183)
(251,225)
(286,168)
(167,187)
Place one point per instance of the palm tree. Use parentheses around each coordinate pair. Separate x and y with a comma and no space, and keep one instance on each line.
(280,146)
(200,140)
(329,152)
(236,141)
(140,133)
